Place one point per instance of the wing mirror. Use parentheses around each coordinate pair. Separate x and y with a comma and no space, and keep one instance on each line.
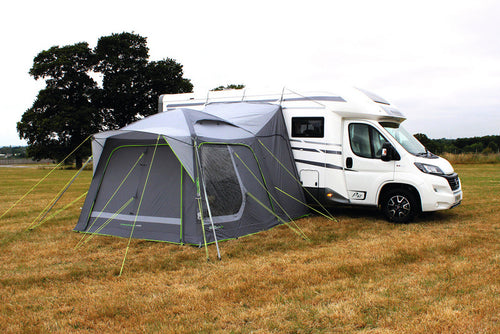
(389,152)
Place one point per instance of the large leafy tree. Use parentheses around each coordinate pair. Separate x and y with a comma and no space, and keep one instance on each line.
(63,114)
(122,59)
(72,106)
(131,84)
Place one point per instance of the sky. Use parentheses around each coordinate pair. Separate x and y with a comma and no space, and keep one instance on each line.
(437,61)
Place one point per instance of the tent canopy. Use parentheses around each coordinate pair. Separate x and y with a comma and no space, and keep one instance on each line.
(165,176)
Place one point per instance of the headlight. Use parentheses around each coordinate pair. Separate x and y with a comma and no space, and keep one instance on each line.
(429,169)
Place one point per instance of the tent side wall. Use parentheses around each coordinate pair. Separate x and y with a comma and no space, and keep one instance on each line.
(281,168)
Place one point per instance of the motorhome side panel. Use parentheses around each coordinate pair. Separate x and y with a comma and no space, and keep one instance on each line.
(316,139)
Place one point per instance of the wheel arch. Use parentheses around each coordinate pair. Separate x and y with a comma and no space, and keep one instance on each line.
(386,188)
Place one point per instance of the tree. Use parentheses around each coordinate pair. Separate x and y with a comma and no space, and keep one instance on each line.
(121,59)
(164,77)
(62,115)
(131,84)
(72,106)
(428,143)
(230,86)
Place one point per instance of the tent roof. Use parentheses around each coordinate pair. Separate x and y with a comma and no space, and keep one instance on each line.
(222,121)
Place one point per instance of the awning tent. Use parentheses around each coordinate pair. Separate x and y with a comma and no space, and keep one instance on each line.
(181,175)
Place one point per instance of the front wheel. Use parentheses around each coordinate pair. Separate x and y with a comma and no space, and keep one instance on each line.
(400,206)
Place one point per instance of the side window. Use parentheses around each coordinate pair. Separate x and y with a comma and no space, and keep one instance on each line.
(312,127)
(365,140)
(377,141)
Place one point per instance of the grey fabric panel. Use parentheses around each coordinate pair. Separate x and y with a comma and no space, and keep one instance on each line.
(142,230)
(115,180)
(172,123)
(280,176)
(249,116)
(121,183)
(220,131)
(254,216)
(162,194)
(184,153)
(191,227)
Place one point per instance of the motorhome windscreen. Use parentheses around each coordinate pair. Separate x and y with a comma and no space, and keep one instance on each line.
(222,184)
(312,127)
(410,143)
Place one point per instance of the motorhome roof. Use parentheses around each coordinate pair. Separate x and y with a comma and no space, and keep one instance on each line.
(352,103)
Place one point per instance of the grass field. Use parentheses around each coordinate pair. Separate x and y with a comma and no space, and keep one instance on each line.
(440,274)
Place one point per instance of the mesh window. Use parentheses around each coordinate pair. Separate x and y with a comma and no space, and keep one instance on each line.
(222,185)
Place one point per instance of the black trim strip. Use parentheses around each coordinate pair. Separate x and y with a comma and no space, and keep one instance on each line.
(177,105)
(332,152)
(306,149)
(316,150)
(319,164)
(316,98)
(314,142)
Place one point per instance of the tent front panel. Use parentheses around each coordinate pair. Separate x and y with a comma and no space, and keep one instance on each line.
(139,189)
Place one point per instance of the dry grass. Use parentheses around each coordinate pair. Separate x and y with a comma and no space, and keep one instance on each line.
(472,158)
(362,274)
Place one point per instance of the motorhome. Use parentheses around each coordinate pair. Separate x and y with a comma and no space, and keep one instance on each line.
(351,149)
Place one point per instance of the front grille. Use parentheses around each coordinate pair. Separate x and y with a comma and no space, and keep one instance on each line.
(453,181)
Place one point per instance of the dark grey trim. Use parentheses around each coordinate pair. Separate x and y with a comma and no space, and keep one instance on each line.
(313,142)
(319,164)
(316,150)
(332,152)
(320,194)
(317,98)
(179,105)
(306,149)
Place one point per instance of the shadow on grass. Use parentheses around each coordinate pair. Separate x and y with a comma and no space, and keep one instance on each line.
(374,214)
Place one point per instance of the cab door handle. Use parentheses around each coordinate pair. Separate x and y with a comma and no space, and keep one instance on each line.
(348,162)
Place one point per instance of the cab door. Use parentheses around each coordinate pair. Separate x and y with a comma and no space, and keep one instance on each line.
(365,171)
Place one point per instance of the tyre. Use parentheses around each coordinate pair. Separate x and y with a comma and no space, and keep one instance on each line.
(400,206)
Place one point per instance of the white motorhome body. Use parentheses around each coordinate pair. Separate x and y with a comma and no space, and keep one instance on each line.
(349,148)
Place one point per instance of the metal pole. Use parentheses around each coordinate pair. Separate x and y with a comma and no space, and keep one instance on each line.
(208,204)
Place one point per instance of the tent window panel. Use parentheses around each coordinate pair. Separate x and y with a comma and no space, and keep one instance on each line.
(221,181)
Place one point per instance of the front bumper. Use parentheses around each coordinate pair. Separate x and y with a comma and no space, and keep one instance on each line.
(441,192)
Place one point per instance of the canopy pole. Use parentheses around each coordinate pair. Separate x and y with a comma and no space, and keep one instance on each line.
(198,199)
(208,204)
